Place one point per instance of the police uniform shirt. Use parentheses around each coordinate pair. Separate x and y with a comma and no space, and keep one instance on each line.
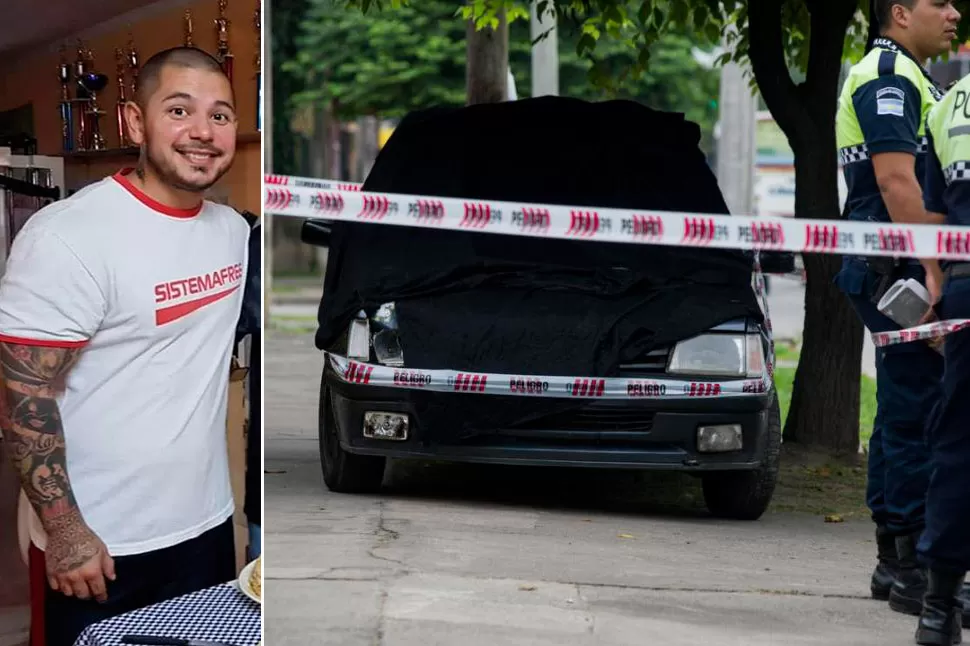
(946,185)
(881,109)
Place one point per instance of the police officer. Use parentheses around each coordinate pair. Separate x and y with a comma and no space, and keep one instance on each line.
(880,135)
(945,545)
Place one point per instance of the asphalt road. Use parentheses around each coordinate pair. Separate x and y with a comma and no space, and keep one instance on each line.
(493,555)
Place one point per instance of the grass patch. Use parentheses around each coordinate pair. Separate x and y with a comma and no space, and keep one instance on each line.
(293,324)
(785,376)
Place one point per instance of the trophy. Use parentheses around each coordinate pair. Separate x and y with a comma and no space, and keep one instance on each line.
(222,33)
(67,111)
(187,27)
(89,84)
(80,69)
(258,66)
(132,64)
(123,140)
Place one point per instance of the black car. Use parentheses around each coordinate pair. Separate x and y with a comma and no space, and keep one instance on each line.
(663,355)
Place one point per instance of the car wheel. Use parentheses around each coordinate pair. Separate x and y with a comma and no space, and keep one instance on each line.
(344,472)
(745,495)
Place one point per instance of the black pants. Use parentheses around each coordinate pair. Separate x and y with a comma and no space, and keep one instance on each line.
(945,544)
(144,579)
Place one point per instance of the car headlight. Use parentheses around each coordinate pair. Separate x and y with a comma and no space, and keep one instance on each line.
(379,332)
(718,355)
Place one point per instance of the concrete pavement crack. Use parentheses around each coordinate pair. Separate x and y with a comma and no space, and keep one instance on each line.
(385,535)
(380,619)
(590,616)
(763,591)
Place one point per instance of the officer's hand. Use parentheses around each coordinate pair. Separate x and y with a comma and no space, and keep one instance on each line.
(934,285)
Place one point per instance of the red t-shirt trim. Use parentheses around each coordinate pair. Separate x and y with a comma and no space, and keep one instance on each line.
(45,343)
(122,178)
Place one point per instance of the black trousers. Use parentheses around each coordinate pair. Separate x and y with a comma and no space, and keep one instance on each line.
(145,579)
(945,544)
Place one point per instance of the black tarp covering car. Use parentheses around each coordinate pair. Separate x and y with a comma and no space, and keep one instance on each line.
(490,303)
(501,304)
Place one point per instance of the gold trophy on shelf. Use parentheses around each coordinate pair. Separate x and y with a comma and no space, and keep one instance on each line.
(91,83)
(123,140)
(80,69)
(222,34)
(66,105)
(187,28)
(132,54)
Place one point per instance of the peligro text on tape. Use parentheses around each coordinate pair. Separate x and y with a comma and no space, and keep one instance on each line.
(450,381)
(622,225)
(310,182)
(920,332)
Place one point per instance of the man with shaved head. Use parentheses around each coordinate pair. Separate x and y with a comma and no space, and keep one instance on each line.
(117,317)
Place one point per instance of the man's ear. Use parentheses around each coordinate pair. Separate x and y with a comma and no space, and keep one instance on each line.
(900,14)
(135,120)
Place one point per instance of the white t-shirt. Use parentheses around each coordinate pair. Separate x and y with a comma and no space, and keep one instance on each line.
(153,295)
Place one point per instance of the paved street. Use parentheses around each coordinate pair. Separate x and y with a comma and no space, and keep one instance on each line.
(493,555)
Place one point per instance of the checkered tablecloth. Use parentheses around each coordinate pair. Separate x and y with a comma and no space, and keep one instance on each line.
(220,614)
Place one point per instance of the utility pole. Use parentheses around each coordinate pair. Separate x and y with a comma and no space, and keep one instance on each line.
(267,132)
(736,140)
(545,53)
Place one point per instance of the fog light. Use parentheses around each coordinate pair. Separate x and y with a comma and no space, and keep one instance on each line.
(385,426)
(719,439)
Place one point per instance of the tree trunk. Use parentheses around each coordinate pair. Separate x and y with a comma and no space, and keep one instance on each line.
(487,62)
(824,410)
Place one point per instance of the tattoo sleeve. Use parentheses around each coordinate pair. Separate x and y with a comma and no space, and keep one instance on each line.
(29,379)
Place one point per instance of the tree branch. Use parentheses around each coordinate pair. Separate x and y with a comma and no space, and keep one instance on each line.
(767,55)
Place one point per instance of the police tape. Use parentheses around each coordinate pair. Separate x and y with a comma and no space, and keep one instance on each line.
(925,332)
(450,381)
(296,197)
(311,182)
(317,198)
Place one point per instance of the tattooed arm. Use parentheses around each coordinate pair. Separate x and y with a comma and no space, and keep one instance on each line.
(30,375)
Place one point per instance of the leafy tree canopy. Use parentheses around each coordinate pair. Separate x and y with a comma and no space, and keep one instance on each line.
(408,57)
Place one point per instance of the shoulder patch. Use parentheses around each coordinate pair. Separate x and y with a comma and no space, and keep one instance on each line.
(890,104)
(890,91)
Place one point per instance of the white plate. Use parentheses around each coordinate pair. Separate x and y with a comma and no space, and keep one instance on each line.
(243,582)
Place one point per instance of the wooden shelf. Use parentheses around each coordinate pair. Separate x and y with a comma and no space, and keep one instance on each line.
(112,153)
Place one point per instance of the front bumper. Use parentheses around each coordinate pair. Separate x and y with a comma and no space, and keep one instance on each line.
(639,434)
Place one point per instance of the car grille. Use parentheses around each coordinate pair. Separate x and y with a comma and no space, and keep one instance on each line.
(596,420)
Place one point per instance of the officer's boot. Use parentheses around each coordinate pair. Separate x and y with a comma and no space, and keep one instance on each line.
(909,587)
(939,622)
(964,598)
(888,565)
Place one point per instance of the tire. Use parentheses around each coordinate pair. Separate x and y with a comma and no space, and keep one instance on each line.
(344,472)
(745,495)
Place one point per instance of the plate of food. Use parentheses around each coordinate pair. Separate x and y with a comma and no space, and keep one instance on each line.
(251,580)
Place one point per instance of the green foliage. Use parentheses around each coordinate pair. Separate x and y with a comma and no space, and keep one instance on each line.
(285,20)
(410,57)
(641,24)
